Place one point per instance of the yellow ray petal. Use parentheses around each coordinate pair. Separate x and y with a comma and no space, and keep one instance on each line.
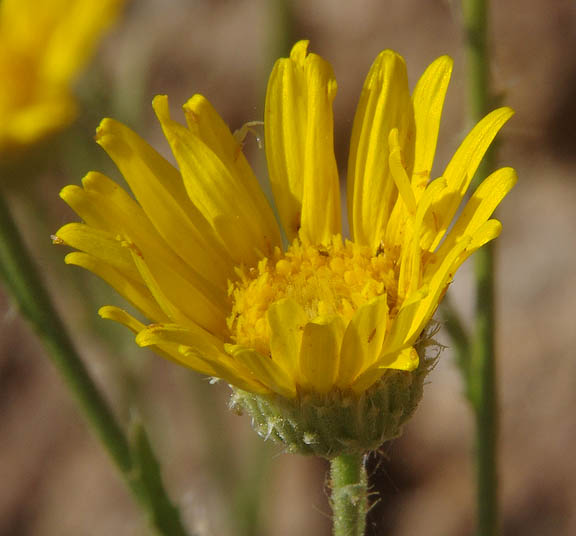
(321,183)
(406,359)
(217,191)
(159,189)
(286,320)
(165,349)
(320,354)
(174,338)
(206,124)
(104,205)
(384,104)
(179,299)
(401,324)
(264,370)
(195,348)
(362,343)
(299,145)
(99,244)
(440,275)
(400,228)
(462,168)
(104,189)
(410,277)
(197,341)
(412,320)
(111,312)
(428,99)
(137,294)
(484,234)
(399,174)
(191,335)
(77,199)
(233,373)
(480,207)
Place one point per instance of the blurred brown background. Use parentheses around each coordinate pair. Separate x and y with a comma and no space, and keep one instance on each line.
(55,479)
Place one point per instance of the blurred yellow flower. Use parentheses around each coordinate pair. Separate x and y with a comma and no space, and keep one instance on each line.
(43,45)
(200,254)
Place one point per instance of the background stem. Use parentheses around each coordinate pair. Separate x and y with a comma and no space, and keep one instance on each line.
(349,495)
(481,370)
(136,462)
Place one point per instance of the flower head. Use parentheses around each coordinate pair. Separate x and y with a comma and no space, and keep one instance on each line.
(43,45)
(309,331)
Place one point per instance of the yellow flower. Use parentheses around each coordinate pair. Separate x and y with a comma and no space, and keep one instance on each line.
(200,253)
(43,45)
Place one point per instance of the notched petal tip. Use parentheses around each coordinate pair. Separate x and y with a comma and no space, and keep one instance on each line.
(106,126)
(59,237)
(68,191)
(299,51)
(57,241)
(112,135)
(149,335)
(161,107)
(195,105)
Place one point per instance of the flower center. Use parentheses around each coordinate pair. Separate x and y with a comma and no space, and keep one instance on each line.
(325,280)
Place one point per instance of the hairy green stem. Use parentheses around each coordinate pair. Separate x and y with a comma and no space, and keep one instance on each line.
(135,459)
(481,377)
(349,494)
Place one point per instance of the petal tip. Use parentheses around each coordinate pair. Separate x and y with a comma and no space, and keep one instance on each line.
(106,312)
(161,107)
(103,128)
(195,103)
(299,50)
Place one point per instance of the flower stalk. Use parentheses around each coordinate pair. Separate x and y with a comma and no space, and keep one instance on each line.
(349,494)
(134,459)
(481,369)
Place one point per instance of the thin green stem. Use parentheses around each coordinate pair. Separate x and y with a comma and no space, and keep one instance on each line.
(349,495)
(458,333)
(281,25)
(481,377)
(475,13)
(26,286)
(483,395)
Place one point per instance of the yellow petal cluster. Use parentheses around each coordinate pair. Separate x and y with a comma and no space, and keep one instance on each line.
(288,306)
(43,45)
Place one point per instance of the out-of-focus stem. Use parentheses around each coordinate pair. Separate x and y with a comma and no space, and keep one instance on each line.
(458,333)
(481,377)
(281,36)
(135,461)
